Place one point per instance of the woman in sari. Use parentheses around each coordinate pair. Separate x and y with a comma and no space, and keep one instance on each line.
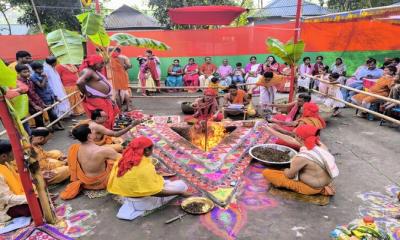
(270,65)
(54,80)
(340,68)
(191,75)
(252,72)
(175,72)
(305,69)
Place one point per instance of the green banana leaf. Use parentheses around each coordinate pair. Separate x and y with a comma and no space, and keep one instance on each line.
(8,77)
(20,104)
(66,46)
(289,52)
(101,38)
(16,119)
(125,39)
(91,23)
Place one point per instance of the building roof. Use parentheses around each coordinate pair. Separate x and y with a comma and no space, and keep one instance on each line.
(279,8)
(396,4)
(128,18)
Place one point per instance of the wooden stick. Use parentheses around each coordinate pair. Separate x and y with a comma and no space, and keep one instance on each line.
(360,108)
(358,91)
(64,114)
(167,96)
(133,86)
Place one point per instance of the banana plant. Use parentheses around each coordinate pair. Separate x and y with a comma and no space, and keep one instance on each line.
(125,39)
(8,77)
(66,46)
(289,52)
(91,23)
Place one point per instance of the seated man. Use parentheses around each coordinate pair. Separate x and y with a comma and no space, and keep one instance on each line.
(206,107)
(12,198)
(238,97)
(104,136)
(382,87)
(207,71)
(135,176)
(394,94)
(293,109)
(51,163)
(311,170)
(89,164)
(370,72)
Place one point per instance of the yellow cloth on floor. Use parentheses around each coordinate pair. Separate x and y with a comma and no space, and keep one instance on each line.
(140,181)
(49,161)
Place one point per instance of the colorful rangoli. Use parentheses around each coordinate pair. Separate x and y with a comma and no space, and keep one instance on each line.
(216,173)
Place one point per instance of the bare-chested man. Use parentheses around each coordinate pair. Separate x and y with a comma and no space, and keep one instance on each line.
(96,89)
(104,136)
(89,164)
(311,170)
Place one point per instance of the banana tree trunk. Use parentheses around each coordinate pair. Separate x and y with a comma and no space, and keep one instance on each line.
(15,137)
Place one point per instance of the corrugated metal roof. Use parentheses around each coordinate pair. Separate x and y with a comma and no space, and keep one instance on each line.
(396,4)
(287,8)
(126,17)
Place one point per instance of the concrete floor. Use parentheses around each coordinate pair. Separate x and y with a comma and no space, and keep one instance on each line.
(367,156)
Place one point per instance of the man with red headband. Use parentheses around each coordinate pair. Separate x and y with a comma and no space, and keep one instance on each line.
(134,177)
(312,170)
(96,89)
(207,106)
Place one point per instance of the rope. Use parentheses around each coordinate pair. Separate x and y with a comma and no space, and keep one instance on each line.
(134,86)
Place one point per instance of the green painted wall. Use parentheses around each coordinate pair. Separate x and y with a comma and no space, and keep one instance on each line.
(351,59)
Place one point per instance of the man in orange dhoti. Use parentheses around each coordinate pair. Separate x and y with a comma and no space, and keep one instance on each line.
(104,136)
(382,88)
(51,163)
(13,202)
(238,98)
(89,164)
(311,170)
(120,79)
(96,89)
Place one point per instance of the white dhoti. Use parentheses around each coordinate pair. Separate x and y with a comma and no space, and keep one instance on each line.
(204,81)
(267,95)
(135,207)
(303,82)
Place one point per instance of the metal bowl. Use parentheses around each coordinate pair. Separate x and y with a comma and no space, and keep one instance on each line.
(208,205)
(292,153)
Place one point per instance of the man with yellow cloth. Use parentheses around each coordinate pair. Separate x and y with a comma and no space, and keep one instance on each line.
(13,202)
(104,136)
(52,165)
(134,177)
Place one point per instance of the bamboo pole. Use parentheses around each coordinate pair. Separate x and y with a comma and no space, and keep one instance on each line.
(64,114)
(41,112)
(133,86)
(359,108)
(358,91)
(37,16)
(177,96)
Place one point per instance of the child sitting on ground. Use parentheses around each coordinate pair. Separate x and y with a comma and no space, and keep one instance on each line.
(214,84)
(238,74)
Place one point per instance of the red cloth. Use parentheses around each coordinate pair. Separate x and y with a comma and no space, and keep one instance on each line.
(308,134)
(205,15)
(210,92)
(90,61)
(133,154)
(152,65)
(69,77)
(93,103)
(312,110)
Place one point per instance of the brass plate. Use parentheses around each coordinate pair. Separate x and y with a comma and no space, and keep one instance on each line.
(207,207)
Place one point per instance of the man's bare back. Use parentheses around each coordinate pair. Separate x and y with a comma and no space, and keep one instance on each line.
(92,158)
(313,175)
(93,80)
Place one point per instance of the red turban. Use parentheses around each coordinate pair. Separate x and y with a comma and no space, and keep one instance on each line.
(308,134)
(312,110)
(133,154)
(90,61)
(210,92)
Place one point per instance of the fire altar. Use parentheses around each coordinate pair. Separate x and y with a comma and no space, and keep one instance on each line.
(216,172)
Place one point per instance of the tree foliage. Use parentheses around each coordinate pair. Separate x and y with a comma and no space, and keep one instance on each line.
(349,5)
(161,7)
(53,14)
(242,19)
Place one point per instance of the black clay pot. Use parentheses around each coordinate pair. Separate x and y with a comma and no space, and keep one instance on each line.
(187,108)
